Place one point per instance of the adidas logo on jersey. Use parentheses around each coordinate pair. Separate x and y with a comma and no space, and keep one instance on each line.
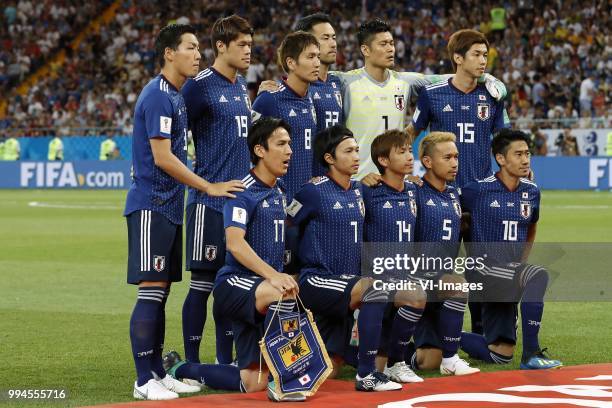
(447,108)
(292,113)
(265,204)
(316,96)
(222,98)
(494,204)
(387,205)
(430,202)
(337,206)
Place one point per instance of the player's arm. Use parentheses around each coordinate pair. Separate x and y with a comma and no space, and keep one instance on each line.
(264,105)
(468,198)
(194,95)
(269,85)
(236,213)
(168,162)
(531,230)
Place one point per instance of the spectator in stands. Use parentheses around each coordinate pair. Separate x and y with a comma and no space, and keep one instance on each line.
(539,142)
(109,149)
(569,144)
(587,93)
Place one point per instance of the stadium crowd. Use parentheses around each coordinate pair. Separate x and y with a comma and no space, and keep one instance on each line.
(555,57)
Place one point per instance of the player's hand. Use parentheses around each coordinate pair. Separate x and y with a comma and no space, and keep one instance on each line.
(371,180)
(224,189)
(267,86)
(284,283)
(496,88)
(415,179)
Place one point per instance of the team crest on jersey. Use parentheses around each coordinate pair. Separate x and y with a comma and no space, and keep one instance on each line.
(338,98)
(483,111)
(399,102)
(159,263)
(413,206)
(457,208)
(210,252)
(361,207)
(287,257)
(525,209)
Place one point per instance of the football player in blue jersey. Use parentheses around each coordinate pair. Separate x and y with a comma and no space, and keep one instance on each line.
(463,106)
(504,210)
(298,55)
(155,204)
(219,112)
(391,213)
(330,212)
(247,289)
(325,92)
(438,229)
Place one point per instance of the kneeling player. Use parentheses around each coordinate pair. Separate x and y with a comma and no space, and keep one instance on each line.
(330,211)
(439,330)
(505,208)
(391,217)
(248,287)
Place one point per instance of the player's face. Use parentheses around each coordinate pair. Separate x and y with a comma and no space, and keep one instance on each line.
(401,160)
(475,60)
(327,40)
(307,66)
(444,161)
(186,57)
(276,157)
(517,159)
(347,157)
(238,53)
(381,51)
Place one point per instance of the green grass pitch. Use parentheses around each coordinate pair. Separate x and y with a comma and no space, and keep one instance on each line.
(65,306)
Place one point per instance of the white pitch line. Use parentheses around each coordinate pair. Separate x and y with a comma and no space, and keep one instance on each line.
(578,207)
(73,206)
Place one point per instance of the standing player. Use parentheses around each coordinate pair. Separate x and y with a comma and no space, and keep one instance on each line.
(248,287)
(391,213)
(462,106)
(331,213)
(375,97)
(154,205)
(219,112)
(439,220)
(298,55)
(504,211)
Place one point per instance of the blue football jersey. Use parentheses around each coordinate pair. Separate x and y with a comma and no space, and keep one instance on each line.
(299,113)
(390,214)
(439,214)
(260,210)
(159,112)
(219,112)
(331,219)
(327,100)
(472,117)
(500,215)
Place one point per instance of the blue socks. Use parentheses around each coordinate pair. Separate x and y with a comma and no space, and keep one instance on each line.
(224,339)
(534,280)
(369,324)
(216,376)
(476,346)
(144,325)
(404,323)
(156,360)
(194,314)
(450,321)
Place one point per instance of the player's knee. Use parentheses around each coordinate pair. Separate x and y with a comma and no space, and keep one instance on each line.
(148,284)
(416,298)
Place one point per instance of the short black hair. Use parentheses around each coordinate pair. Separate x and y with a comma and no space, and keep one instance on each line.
(228,29)
(327,140)
(259,133)
(502,140)
(170,37)
(369,29)
(306,23)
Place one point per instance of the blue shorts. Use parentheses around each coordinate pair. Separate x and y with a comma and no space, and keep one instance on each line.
(500,322)
(205,248)
(234,299)
(329,299)
(155,248)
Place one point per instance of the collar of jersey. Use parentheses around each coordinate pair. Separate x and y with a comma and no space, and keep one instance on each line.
(393,188)
(297,95)
(338,184)
(214,71)
(375,82)
(454,88)
(168,82)
(428,184)
(259,181)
